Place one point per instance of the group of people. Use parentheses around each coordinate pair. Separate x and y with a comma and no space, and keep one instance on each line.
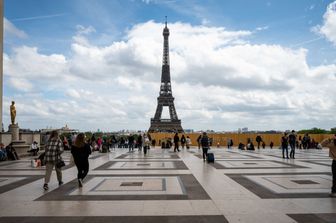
(54,148)
(8,152)
(292,141)
(185,142)
(80,148)
(250,144)
(288,139)
(106,143)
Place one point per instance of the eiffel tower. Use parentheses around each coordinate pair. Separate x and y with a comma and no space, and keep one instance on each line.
(166,97)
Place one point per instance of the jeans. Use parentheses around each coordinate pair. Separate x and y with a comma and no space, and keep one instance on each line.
(292,152)
(205,153)
(130,147)
(284,147)
(176,146)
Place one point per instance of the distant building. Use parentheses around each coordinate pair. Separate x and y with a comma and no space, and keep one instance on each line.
(62,130)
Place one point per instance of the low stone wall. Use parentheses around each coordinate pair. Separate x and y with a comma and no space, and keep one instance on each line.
(29,138)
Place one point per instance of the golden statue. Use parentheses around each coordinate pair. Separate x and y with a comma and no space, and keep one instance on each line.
(13,112)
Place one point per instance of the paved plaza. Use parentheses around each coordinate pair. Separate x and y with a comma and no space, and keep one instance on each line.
(163,186)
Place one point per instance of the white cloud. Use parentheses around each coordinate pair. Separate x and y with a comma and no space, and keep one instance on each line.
(11,29)
(328,28)
(260,28)
(21,84)
(220,81)
(82,30)
(27,62)
(147,1)
(73,93)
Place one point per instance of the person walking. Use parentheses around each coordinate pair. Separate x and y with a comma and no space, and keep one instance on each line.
(188,142)
(292,141)
(205,145)
(331,144)
(306,141)
(176,142)
(284,145)
(183,141)
(53,151)
(139,142)
(199,141)
(80,151)
(258,140)
(131,143)
(146,144)
(228,143)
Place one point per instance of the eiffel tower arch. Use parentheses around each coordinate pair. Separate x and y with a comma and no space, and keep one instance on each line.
(165,99)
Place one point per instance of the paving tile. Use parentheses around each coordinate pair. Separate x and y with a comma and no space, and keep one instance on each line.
(241,186)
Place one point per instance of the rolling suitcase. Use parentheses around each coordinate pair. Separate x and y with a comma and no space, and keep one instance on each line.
(210,158)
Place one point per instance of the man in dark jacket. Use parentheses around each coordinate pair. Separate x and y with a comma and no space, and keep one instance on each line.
(205,145)
(258,140)
(292,140)
(176,143)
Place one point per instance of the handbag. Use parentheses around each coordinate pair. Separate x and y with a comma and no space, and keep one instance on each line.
(60,163)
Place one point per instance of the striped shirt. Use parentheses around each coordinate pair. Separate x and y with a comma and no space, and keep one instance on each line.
(53,150)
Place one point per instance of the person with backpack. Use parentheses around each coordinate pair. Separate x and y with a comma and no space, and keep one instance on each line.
(80,151)
(205,145)
(306,141)
(53,151)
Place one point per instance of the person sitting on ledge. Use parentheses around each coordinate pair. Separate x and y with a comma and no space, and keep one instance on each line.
(241,146)
(3,153)
(250,146)
(34,148)
(11,153)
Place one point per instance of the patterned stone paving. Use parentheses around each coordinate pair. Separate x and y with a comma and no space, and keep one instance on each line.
(163,186)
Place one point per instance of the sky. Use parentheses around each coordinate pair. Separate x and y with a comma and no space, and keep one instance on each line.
(96,64)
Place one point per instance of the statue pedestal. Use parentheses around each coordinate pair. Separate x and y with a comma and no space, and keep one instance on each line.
(14,130)
(20,146)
